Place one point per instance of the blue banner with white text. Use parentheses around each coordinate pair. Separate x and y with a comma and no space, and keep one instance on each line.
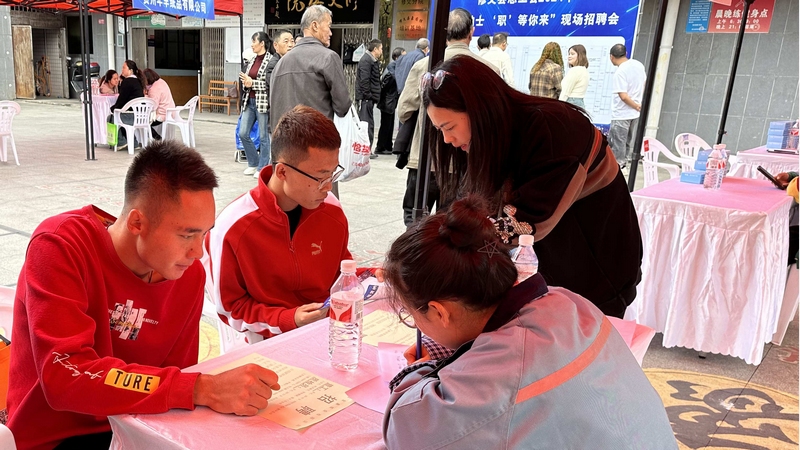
(203,9)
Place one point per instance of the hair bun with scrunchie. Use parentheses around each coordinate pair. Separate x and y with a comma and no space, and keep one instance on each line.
(467,225)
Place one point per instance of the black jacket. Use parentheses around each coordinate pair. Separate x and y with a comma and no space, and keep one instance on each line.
(368,79)
(129,89)
(389,94)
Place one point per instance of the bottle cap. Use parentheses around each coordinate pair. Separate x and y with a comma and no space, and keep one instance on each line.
(525,239)
(715,154)
(348,265)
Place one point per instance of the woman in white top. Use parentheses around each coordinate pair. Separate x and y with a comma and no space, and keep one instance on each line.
(575,82)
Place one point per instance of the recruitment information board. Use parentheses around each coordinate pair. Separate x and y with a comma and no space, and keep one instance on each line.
(531,24)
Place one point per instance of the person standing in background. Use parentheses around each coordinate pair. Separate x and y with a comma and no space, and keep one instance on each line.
(404,66)
(387,104)
(282,42)
(628,85)
(498,56)
(574,84)
(484,42)
(255,104)
(547,73)
(368,85)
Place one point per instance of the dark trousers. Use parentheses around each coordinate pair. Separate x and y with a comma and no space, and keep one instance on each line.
(411,191)
(367,114)
(385,133)
(86,441)
(154,127)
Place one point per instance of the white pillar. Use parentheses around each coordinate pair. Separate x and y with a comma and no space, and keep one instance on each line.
(111,36)
(664,52)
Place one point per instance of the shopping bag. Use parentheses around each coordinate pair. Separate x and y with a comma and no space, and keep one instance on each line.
(111,132)
(253,135)
(355,149)
(359,53)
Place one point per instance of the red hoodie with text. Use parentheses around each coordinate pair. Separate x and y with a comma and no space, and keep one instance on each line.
(91,339)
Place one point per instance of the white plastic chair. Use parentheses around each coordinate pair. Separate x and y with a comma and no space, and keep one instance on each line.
(186,126)
(8,110)
(651,148)
(142,108)
(688,145)
(6,310)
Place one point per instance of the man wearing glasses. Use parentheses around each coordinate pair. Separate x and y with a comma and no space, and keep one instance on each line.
(275,251)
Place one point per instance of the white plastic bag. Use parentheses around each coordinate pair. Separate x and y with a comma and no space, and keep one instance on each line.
(355,150)
(359,53)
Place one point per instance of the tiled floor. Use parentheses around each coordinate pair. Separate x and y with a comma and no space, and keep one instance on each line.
(716,402)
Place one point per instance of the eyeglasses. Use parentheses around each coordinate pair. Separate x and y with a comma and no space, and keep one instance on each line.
(406,318)
(322,181)
(435,80)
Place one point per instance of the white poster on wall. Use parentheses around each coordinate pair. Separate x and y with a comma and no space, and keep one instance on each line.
(233,51)
(252,16)
(526,50)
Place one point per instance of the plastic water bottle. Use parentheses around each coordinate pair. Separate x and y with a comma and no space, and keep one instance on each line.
(794,136)
(725,156)
(347,304)
(525,258)
(714,170)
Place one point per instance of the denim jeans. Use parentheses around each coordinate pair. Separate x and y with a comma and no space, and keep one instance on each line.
(249,117)
(620,138)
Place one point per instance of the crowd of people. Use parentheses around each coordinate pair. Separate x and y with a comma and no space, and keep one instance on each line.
(104,299)
(132,83)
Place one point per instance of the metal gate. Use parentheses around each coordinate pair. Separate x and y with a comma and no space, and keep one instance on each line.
(212,44)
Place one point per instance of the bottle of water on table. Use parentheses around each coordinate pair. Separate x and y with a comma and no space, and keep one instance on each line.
(345,316)
(525,258)
(714,170)
(723,151)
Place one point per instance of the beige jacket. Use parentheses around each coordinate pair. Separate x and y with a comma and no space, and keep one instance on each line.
(411,100)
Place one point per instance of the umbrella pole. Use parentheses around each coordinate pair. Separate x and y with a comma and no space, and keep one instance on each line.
(734,65)
(441,14)
(86,97)
(648,93)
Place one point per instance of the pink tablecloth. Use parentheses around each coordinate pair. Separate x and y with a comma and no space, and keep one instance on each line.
(714,266)
(101,108)
(775,163)
(355,427)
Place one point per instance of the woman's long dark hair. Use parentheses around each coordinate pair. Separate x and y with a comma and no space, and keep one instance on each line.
(493,108)
(107,77)
(450,255)
(138,73)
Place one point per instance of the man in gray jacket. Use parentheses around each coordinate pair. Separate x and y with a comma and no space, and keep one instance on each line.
(311,74)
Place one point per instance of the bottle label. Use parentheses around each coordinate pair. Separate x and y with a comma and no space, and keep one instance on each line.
(345,309)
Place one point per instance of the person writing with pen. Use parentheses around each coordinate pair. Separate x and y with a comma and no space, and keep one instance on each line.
(534,366)
(107,312)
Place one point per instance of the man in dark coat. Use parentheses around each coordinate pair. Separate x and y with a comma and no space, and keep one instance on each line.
(387,104)
(368,84)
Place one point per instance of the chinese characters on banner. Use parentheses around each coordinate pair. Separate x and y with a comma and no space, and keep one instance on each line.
(344,11)
(531,24)
(554,17)
(411,25)
(727,19)
(203,9)
(708,17)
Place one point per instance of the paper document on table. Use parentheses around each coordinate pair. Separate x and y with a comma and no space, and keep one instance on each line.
(383,326)
(303,399)
(374,394)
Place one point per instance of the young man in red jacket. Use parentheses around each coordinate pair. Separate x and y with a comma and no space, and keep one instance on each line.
(107,311)
(275,251)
